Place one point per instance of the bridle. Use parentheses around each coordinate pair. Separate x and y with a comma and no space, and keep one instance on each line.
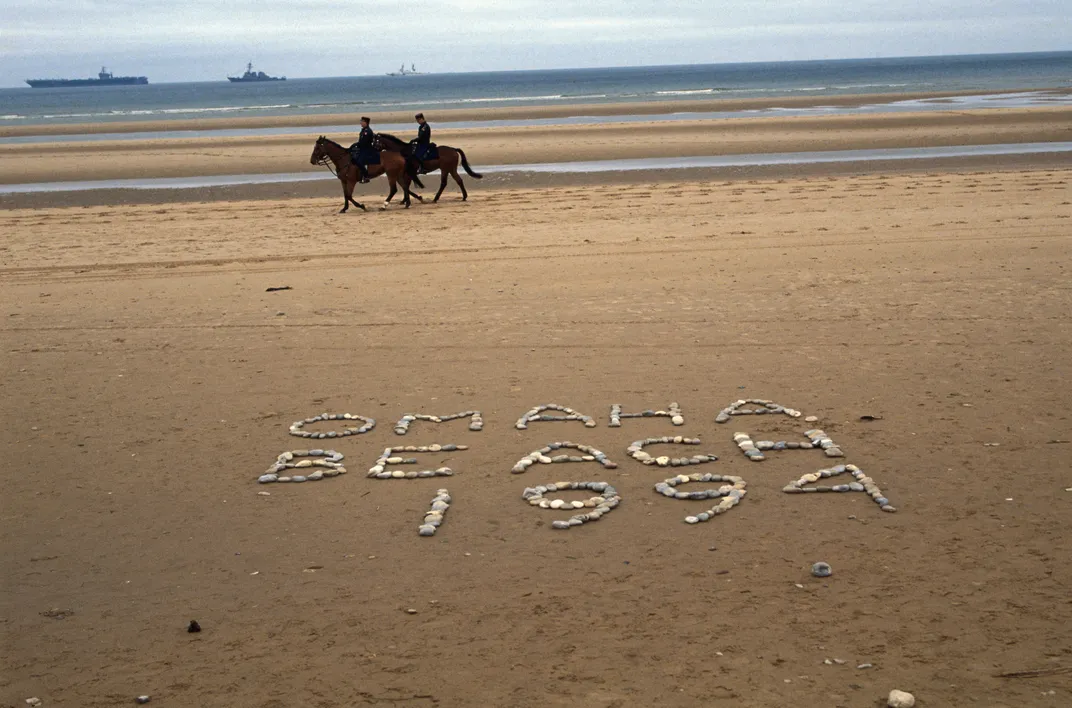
(325,159)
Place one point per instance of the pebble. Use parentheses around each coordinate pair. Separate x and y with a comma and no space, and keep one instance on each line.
(599,506)
(863,483)
(536,415)
(331,466)
(811,419)
(476,420)
(822,570)
(35,701)
(865,666)
(900,699)
(763,407)
(730,494)
(297,427)
(142,700)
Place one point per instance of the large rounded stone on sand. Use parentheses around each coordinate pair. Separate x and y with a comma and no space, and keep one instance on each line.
(822,570)
(900,699)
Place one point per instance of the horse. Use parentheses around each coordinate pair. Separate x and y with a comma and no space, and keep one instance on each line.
(391,164)
(446,163)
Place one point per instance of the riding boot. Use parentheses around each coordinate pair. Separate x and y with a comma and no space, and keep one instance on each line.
(364,174)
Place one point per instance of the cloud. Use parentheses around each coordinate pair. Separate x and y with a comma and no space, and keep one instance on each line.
(203,39)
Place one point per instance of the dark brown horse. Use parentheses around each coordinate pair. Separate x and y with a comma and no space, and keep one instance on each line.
(447,162)
(391,164)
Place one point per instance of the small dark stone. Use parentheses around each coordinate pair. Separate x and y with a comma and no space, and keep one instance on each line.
(194,627)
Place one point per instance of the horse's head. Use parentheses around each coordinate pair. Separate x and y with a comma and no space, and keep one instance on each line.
(319,152)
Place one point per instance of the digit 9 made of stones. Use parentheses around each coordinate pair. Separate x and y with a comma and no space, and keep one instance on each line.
(601,505)
(730,494)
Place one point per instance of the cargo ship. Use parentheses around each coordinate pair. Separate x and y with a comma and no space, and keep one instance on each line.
(104,78)
(403,71)
(252,75)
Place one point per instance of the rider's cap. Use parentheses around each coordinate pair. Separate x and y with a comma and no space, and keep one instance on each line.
(366,119)
(419,115)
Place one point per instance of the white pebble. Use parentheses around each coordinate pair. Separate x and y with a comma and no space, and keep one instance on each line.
(900,699)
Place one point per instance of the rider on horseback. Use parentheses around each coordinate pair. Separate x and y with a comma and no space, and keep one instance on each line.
(423,142)
(365,149)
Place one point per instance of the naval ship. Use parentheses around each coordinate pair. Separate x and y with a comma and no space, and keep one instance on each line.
(252,75)
(104,78)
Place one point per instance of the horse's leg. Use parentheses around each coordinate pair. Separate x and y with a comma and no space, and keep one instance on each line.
(347,195)
(404,178)
(394,188)
(458,179)
(408,184)
(442,183)
(352,181)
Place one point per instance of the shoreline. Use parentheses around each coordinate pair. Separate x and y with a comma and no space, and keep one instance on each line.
(498,113)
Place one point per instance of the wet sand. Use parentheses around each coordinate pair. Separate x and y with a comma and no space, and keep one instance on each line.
(22,163)
(149,378)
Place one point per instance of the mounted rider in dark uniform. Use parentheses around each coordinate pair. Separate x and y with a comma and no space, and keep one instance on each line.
(366,152)
(423,147)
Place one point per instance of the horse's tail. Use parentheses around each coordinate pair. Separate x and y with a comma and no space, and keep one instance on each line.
(466,167)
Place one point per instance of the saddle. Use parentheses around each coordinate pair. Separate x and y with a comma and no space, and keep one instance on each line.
(425,152)
(364,156)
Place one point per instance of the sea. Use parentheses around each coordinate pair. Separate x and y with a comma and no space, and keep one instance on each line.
(986,74)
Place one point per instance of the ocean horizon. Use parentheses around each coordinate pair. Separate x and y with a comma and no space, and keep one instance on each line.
(985,73)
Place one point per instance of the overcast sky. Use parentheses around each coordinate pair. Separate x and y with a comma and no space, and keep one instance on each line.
(194,40)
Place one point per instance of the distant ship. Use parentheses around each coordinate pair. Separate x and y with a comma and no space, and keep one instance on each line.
(252,75)
(104,78)
(402,71)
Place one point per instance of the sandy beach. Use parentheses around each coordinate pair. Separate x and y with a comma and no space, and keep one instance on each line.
(919,312)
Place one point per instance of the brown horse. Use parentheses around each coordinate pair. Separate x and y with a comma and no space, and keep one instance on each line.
(446,163)
(391,164)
